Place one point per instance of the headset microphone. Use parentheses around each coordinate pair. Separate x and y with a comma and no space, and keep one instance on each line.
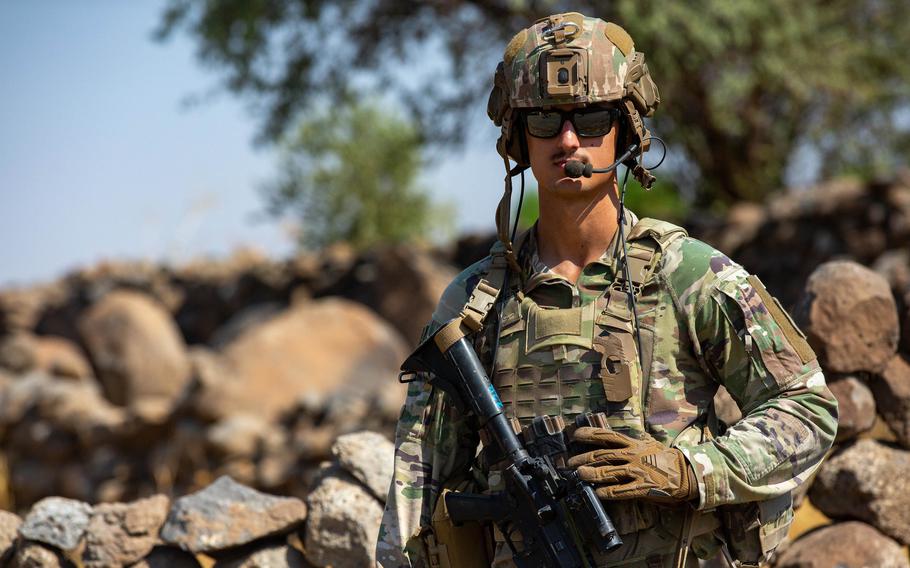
(577,169)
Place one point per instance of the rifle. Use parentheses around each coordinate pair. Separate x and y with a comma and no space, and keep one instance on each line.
(559,516)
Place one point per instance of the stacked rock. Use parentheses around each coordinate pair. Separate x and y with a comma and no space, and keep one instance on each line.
(851,319)
(224,525)
(131,379)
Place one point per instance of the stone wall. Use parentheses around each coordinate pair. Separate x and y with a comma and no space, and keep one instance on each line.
(223,525)
(129,379)
(838,255)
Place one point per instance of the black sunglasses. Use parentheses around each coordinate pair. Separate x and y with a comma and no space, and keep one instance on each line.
(588,122)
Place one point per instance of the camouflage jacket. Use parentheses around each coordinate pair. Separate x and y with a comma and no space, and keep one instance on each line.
(708,324)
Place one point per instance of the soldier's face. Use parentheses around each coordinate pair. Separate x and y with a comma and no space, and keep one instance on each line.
(548,157)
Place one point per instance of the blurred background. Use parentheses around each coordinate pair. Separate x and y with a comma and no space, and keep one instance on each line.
(201,202)
(172,130)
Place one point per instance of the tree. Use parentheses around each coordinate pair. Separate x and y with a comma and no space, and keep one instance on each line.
(745,84)
(350,174)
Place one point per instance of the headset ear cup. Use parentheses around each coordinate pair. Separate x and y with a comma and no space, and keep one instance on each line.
(636,133)
(498,102)
(640,87)
(518,143)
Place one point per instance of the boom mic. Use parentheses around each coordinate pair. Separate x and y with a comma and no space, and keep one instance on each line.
(577,169)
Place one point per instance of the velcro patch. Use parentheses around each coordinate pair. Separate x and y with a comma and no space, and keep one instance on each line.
(558,322)
(794,336)
(620,38)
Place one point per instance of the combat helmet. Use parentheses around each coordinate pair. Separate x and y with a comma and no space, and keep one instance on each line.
(569,59)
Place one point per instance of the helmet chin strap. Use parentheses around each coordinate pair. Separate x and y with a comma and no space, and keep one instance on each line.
(503,213)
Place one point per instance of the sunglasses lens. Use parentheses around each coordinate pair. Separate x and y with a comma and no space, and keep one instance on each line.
(590,122)
(544,124)
(593,122)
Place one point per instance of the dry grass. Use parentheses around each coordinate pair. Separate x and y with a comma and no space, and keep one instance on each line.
(807,518)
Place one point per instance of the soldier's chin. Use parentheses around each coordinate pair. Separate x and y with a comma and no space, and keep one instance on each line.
(568,184)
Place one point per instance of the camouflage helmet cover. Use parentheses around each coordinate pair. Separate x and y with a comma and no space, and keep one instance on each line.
(570,59)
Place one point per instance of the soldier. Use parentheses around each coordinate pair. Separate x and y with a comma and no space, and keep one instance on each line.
(595,310)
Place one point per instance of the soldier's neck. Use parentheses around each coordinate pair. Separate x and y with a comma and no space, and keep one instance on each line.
(573,232)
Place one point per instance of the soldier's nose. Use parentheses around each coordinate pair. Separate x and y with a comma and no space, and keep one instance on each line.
(567,139)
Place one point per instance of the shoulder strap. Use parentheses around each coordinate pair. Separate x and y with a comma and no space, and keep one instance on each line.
(661,231)
(645,241)
(483,297)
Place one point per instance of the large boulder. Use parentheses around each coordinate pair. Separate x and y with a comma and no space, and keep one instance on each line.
(218,392)
(401,283)
(226,515)
(317,348)
(137,350)
(343,523)
(850,317)
(17,354)
(44,415)
(248,317)
(892,395)
(369,457)
(23,352)
(119,534)
(867,481)
(855,406)
(214,291)
(844,545)
(20,308)
(61,357)
(68,298)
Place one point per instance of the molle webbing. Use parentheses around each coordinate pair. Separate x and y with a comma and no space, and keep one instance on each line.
(642,261)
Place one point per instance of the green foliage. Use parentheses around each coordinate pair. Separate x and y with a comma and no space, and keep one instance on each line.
(744,84)
(530,209)
(662,201)
(350,174)
(747,83)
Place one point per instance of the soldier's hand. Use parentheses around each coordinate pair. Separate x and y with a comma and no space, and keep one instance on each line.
(626,468)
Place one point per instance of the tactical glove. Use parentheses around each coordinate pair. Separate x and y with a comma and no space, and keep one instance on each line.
(627,468)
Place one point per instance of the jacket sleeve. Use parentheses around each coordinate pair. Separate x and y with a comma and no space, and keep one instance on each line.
(751,346)
(433,444)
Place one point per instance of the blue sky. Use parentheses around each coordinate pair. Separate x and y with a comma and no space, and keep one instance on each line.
(100,158)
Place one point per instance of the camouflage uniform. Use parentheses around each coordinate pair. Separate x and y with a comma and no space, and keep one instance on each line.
(704,322)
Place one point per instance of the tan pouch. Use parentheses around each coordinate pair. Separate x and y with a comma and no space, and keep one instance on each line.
(451,546)
(754,530)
